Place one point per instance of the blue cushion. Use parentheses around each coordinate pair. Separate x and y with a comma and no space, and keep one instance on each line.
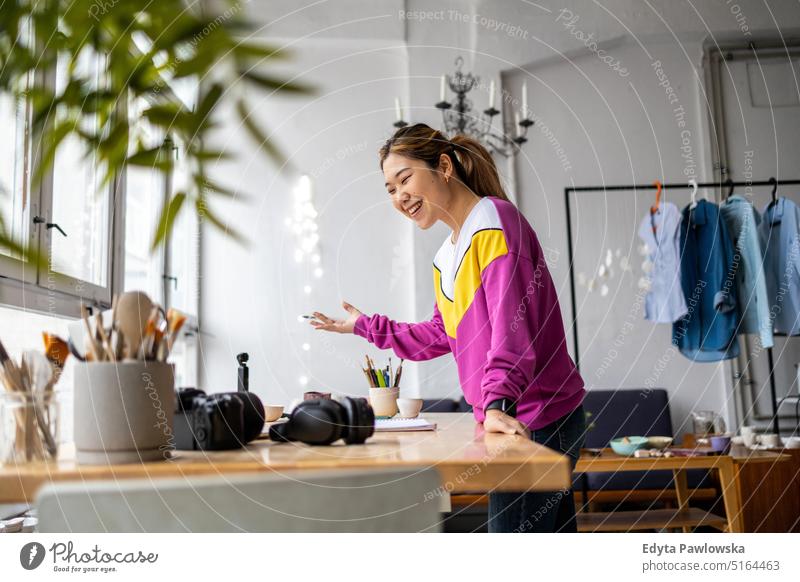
(439,405)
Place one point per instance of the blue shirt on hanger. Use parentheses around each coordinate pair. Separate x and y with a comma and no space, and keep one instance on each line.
(660,231)
(751,290)
(707,333)
(780,244)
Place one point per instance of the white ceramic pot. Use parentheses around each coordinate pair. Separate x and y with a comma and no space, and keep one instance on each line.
(123,411)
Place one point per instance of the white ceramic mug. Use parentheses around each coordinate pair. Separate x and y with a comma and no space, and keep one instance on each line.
(123,411)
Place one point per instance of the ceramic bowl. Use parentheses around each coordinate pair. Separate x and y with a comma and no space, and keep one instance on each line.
(659,442)
(626,446)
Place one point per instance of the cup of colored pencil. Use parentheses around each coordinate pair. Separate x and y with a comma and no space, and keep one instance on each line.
(384,387)
(383,377)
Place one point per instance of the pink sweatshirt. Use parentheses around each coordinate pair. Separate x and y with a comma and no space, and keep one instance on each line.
(497,312)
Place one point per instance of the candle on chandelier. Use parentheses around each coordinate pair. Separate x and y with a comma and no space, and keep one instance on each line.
(398,112)
(516,124)
(442,86)
(491,95)
(525,100)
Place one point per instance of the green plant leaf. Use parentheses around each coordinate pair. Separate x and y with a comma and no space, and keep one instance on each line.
(167,220)
(205,184)
(151,158)
(258,135)
(205,213)
(272,84)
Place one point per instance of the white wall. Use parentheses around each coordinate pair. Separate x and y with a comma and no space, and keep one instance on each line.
(610,141)
(252,295)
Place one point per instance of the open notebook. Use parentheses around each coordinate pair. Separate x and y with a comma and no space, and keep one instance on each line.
(403,424)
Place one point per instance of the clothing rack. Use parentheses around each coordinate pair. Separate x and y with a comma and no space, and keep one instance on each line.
(665,186)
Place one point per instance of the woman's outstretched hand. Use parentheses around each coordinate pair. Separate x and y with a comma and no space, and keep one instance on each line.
(345,325)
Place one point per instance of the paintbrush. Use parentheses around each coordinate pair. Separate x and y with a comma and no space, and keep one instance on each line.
(11,378)
(93,349)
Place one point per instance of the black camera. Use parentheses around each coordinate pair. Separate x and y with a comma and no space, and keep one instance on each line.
(218,422)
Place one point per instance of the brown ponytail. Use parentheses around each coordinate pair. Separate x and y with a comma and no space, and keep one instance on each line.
(472,162)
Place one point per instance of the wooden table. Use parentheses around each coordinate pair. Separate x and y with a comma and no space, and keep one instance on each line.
(683,517)
(467,460)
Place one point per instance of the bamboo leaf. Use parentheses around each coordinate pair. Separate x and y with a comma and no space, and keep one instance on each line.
(167,219)
(205,213)
(257,135)
(272,84)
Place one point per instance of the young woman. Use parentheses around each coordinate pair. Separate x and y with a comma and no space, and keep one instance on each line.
(496,310)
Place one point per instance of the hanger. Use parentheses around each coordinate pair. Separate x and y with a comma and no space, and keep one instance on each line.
(774,193)
(693,184)
(729,184)
(654,208)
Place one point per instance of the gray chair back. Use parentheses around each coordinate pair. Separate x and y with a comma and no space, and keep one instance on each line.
(383,500)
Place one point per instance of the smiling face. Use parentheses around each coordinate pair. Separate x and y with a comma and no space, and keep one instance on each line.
(418,191)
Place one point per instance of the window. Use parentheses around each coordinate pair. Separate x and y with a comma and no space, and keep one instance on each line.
(97,238)
(145,190)
(80,206)
(14,192)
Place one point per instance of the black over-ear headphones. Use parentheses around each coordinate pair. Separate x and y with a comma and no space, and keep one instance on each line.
(322,421)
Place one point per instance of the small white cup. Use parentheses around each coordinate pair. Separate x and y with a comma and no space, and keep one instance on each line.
(793,443)
(771,440)
(409,407)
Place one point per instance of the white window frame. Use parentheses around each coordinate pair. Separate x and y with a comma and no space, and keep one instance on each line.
(45,291)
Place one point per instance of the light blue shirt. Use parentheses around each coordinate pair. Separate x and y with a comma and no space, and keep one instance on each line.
(742,222)
(780,244)
(664,302)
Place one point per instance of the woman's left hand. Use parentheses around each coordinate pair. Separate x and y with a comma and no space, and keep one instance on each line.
(497,421)
(345,325)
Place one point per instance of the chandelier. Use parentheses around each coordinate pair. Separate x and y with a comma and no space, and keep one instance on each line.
(459,115)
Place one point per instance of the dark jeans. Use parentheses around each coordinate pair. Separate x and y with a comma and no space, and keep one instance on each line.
(543,511)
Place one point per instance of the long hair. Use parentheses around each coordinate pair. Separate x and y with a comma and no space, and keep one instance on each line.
(472,162)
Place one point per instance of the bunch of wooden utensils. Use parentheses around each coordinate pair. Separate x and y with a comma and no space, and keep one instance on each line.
(139,330)
(30,387)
